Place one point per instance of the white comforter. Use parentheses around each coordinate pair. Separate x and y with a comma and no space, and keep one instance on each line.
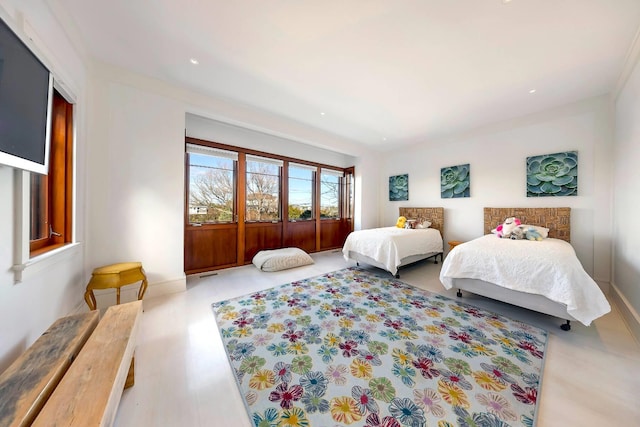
(389,245)
(548,267)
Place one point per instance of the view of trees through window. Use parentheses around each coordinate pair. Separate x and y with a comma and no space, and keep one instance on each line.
(213,179)
(300,192)
(330,194)
(211,188)
(263,190)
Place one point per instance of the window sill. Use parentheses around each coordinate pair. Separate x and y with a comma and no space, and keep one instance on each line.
(38,263)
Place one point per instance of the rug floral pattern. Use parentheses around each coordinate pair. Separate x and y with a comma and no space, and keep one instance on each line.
(354,348)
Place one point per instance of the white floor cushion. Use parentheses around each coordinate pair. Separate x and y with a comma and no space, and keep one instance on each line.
(281,259)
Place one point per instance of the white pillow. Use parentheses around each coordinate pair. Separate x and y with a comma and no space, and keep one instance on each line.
(543,231)
(281,259)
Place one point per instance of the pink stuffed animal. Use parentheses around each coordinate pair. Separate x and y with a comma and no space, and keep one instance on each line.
(504,230)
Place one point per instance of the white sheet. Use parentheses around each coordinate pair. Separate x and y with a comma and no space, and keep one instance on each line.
(389,245)
(549,267)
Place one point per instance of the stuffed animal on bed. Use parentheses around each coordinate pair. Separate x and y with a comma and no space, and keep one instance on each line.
(532,234)
(517,234)
(505,229)
(411,224)
(401,222)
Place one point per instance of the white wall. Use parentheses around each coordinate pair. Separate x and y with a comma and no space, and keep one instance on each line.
(497,157)
(54,286)
(368,191)
(626,233)
(136,182)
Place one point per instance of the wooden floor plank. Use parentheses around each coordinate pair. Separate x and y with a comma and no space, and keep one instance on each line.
(30,380)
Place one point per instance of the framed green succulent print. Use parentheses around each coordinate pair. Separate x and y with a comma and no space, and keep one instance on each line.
(455,182)
(399,187)
(553,174)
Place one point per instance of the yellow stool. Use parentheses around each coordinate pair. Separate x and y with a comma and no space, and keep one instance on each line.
(115,276)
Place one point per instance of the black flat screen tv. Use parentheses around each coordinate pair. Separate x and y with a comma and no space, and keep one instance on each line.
(26,88)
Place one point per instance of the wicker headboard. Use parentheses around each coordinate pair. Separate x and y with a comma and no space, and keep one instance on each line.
(435,215)
(557,220)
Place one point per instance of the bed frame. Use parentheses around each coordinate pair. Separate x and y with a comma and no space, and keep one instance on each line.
(558,221)
(434,215)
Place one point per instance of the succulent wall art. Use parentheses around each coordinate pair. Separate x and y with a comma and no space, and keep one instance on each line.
(454,182)
(553,175)
(399,187)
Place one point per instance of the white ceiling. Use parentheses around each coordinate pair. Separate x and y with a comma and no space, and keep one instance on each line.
(407,71)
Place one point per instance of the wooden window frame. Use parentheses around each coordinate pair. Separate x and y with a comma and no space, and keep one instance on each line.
(324,229)
(240,179)
(56,211)
(187,189)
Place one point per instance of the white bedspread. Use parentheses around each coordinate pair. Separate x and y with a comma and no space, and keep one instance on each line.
(389,245)
(549,267)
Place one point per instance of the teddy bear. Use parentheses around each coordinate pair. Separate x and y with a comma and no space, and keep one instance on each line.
(532,234)
(401,222)
(505,229)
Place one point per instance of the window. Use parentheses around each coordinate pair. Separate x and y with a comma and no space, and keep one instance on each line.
(258,200)
(51,195)
(301,179)
(211,184)
(330,193)
(263,189)
(349,193)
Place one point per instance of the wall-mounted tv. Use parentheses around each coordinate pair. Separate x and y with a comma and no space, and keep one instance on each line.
(26,87)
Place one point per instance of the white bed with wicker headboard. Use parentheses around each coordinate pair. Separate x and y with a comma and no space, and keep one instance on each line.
(391,248)
(544,276)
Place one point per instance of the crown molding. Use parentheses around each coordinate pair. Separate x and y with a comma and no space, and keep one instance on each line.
(630,61)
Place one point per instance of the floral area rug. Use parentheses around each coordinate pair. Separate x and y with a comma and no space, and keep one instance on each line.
(352,348)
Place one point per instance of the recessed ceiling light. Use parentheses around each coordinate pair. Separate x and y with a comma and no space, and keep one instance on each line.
(384,139)
(194,61)
(532,91)
(322,114)
(506,1)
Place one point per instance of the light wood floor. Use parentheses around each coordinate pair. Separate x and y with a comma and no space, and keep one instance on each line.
(591,375)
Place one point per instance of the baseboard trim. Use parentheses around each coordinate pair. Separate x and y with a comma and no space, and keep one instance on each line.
(167,287)
(106,297)
(629,314)
(604,285)
(81,307)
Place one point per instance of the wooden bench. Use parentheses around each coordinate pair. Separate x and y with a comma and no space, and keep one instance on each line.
(27,384)
(86,391)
